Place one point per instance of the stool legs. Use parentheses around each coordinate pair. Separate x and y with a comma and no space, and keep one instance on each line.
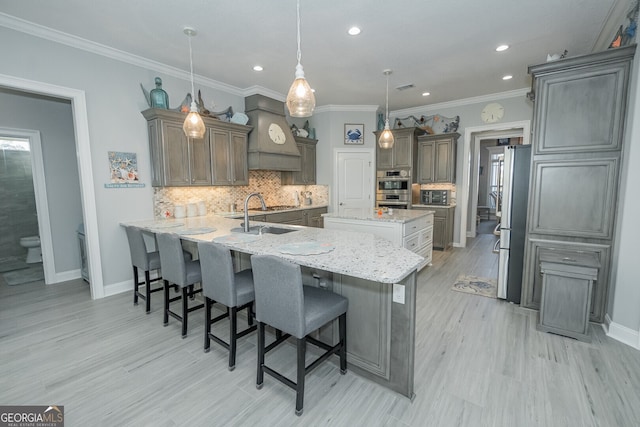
(260,378)
(186,293)
(135,285)
(302,348)
(342,327)
(165,318)
(147,284)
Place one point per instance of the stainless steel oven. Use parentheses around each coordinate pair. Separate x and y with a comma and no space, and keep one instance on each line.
(393,189)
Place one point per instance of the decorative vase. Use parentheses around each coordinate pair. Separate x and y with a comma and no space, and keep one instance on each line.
(380,121)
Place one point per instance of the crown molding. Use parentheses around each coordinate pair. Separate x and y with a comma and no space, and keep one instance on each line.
(261,90)
(460,102)
(347,108)
(50,34)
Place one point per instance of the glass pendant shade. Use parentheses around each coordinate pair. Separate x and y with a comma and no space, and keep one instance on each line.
(386,137)
(193,125)
(300,100)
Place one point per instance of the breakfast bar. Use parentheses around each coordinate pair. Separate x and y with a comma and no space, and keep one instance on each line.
(377,277)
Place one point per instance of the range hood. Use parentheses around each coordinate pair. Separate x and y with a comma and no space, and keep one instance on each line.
(267,117)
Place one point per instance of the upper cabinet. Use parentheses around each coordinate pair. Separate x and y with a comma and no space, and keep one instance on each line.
(307,173)
(437,158)
(220,158)
(229,157)
(403,153)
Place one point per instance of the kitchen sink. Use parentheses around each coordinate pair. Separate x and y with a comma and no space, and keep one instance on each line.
(263,229)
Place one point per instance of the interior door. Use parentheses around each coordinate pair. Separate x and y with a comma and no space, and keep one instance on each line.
(355,182)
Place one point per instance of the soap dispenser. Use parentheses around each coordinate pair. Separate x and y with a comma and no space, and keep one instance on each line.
(296,199)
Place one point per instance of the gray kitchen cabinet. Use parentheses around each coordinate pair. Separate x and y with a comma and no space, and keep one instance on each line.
(579,112)
(180,161)
(229,157)
(442,225)
(314,218)
(403,153)
(437,158)
(566,292)
(307,173)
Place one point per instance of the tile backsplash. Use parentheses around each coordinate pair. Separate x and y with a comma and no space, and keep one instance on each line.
(218,199)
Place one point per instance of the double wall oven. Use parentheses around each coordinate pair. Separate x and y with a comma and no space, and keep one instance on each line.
(393,189)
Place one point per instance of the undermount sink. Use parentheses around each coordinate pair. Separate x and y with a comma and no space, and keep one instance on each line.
(266,229)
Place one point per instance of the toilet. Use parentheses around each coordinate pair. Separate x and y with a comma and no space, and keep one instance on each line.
(34,253)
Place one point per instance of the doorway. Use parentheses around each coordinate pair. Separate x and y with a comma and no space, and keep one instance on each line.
(84,161)
(468,194)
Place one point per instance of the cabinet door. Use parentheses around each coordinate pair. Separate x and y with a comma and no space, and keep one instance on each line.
(384,157)
(155,150)
(402,151)
(574,197)
(439,232)
(176,155)
(308,164)
(200,161)
(597,99)
(443,161)
(426,162)
(240,168)
(221,157)
(532,277)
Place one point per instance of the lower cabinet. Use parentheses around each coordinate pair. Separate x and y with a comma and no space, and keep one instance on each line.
(307,217)
(442,226)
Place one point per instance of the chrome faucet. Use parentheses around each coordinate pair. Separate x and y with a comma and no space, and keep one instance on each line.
(246,209)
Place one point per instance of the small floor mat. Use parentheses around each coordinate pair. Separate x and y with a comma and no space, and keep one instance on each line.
(32,274)
(476,285)
(12,263)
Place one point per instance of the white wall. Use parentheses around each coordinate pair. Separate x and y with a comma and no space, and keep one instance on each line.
(114,101)
(53,118)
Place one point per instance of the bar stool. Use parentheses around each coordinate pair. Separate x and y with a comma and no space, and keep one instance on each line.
(177,271)
(145,261)
(285,304)
(234,290)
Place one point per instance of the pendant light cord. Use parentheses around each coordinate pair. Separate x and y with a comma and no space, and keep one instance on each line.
(298,21)
(387,107)
(191,67)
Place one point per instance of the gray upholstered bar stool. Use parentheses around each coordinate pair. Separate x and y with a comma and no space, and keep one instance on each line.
(145,261)
(234,290)
(285,304)
(177,271)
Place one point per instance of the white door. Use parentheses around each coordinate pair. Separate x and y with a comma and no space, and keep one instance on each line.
(354,177)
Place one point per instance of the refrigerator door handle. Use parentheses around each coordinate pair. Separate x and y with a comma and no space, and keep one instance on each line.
(505,228)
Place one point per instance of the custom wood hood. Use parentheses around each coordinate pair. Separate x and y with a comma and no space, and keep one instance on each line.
(271,143)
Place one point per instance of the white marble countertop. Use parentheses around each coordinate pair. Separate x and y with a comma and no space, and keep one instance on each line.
(398,215)
(361,255)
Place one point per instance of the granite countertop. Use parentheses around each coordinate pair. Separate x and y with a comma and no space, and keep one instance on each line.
(398,215)
(361,255)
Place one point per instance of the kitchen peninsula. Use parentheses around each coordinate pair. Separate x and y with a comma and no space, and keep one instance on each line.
(377,277)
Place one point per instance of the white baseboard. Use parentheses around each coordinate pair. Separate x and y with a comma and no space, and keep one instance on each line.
(126,286)
(65,276)
(621,333)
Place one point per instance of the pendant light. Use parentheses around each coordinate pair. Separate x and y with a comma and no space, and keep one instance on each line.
(386,137)
(193,125)
(300,100)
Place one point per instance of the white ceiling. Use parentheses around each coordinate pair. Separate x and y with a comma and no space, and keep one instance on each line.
(445,47)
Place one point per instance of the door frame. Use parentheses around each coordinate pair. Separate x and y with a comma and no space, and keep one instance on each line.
(470,136)
(40,190)
(84,161)
(336,154)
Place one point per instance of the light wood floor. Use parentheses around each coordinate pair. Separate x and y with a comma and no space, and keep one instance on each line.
(479,362)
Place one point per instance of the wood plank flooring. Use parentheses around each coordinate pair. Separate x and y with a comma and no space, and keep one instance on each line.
(479,362)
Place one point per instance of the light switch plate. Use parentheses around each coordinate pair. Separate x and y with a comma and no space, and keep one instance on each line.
(398,293)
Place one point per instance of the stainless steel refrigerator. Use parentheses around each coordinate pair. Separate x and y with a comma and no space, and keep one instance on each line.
(513,224)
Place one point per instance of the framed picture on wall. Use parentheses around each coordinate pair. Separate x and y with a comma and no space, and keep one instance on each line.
(353,134)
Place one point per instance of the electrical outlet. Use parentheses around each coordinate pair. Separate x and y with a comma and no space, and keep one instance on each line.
(398,293)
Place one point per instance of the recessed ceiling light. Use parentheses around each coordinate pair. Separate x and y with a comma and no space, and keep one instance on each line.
(507,77)
(502,48)
(354,31)
(426,93)
(257,68)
